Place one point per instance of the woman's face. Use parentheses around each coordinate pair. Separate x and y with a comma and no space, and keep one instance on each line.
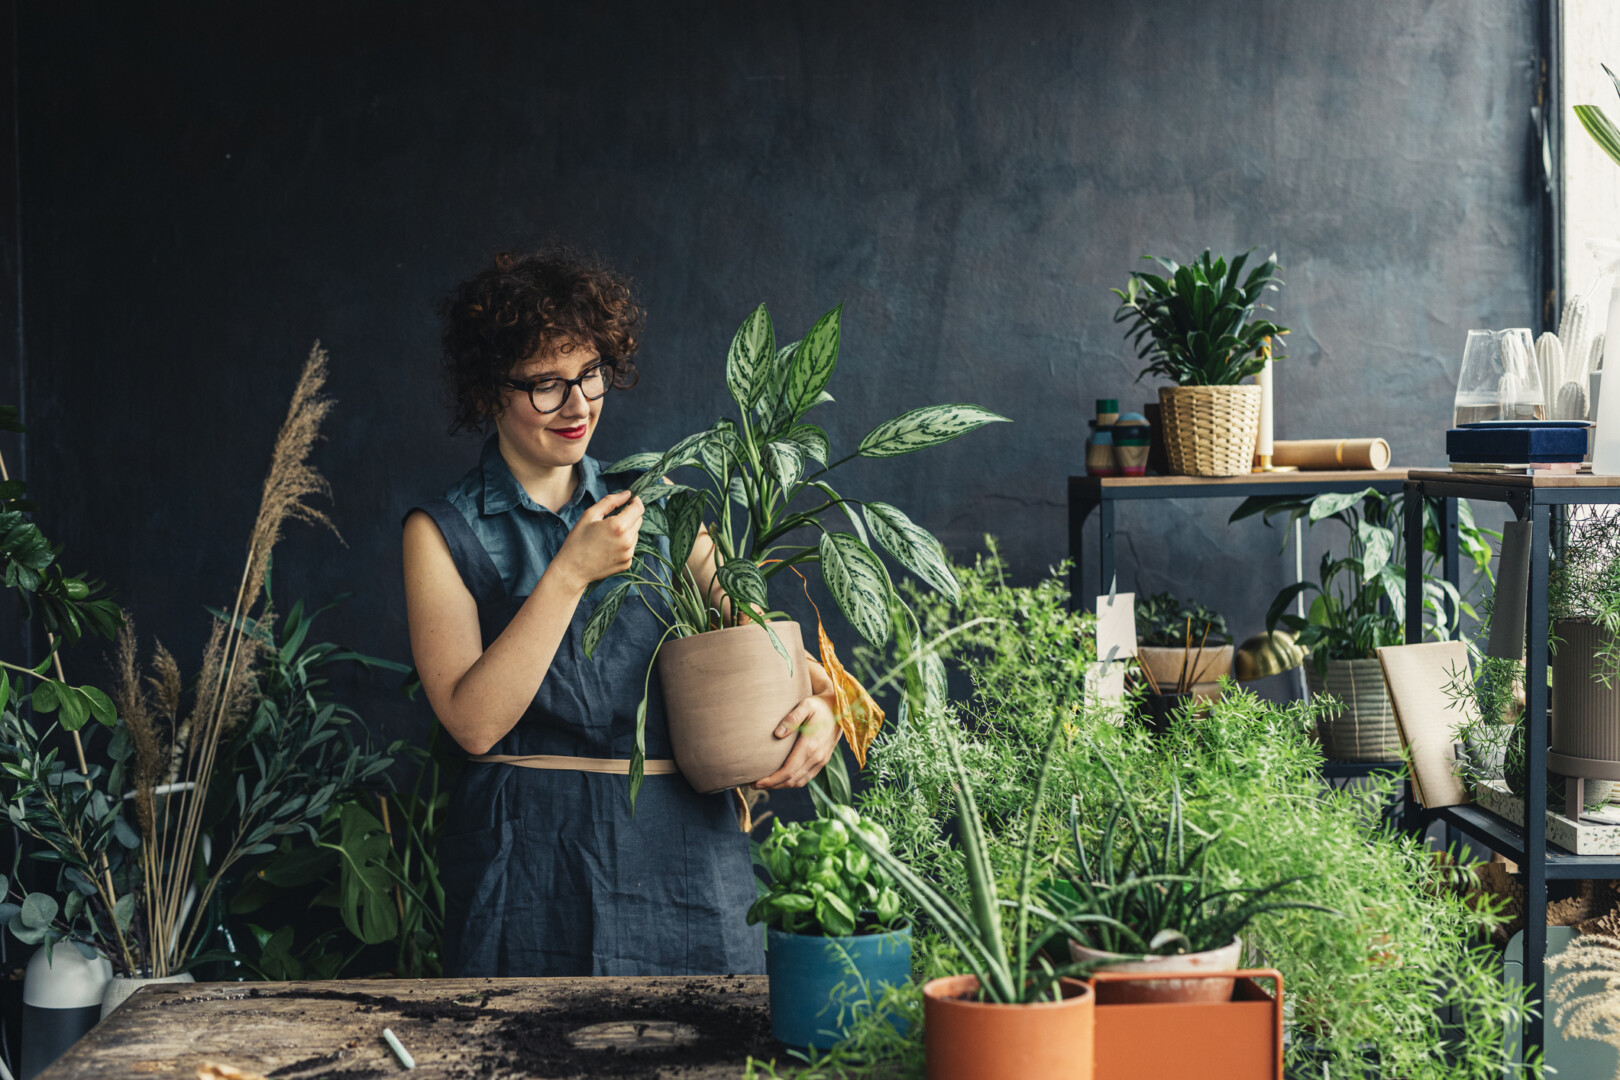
(556,438)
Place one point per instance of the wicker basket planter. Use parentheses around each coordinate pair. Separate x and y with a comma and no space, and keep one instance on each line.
(1210,430)
(1362,727)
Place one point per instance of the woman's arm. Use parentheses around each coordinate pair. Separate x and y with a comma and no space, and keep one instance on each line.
(480,694)
(813,720)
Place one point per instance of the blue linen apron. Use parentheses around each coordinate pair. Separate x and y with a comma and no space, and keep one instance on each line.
(546,872)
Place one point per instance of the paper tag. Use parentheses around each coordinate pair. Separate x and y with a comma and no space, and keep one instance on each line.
(1512,588)
(1116,626)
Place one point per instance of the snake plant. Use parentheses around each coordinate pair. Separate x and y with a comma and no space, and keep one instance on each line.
(752,476)
(1195,326)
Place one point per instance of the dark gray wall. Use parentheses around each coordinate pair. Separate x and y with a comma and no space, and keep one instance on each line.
(207,189)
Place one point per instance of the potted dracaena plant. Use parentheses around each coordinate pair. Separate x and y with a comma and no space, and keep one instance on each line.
(835,932)
(729,676)
(1196,327)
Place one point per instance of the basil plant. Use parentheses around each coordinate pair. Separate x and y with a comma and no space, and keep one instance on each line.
(822,883)
(759,482)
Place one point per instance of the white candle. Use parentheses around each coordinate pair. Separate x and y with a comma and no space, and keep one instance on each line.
(1264,379)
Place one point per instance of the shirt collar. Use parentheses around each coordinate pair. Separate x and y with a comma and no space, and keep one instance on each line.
(502,491)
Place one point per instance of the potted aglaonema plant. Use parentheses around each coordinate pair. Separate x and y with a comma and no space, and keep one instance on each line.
(729,662)
(1015,1013)
(1175,920)
(835,933)
(1196,327)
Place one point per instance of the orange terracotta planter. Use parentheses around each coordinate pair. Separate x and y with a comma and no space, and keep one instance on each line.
(975,1040)
(1236,1039)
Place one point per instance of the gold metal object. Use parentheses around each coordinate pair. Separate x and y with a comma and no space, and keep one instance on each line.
(1264,655)
(1266,466)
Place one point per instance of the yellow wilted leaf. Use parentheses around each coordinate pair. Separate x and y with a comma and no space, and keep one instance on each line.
(859,716)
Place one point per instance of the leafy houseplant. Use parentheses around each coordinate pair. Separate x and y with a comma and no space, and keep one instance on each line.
(1196,328)
(1180,917)
(1583,608)
(1599,126)
(753,471)
(1181,645)
(1360,606)
(835,928)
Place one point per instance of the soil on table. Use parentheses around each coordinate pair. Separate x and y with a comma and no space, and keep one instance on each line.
(510,1041)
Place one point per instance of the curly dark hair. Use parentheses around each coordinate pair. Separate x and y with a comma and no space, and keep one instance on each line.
(527,305)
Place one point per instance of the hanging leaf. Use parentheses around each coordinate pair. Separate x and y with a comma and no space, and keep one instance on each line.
(811,440)
(602,618)
(685,513)
(638,753)
(1378,544)
(44,698)
(812,365)
(914,546)
(74,705)
(858,582)
(786,462)
(654,520)
(925,427)
(936,684)
(857,714)
(753,350)
(634,463)
(1335,502)
(721,451)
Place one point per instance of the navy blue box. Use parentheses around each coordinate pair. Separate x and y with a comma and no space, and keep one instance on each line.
(1513,444)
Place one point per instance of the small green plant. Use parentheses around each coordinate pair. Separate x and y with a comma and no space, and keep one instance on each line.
(1158,893)
(752,473)
(1195,327)
(1163,620)
(1599,126)
(823,883)
(1360,601)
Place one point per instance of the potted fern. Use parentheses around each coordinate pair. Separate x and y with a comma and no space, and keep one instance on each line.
(728,661)
(1196,327)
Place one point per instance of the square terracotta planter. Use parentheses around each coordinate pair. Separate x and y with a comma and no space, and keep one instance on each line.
(1239,1039)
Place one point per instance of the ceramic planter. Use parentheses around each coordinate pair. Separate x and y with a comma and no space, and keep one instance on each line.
(121,987)
(724,692)
(1585,731)
(1362,726)
(974,1040)
(61,1001)
(1235,1039)
(814,980)
(1202,667)
(1226,958)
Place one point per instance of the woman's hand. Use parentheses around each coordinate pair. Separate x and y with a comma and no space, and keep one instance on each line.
(818,734)
(601,546)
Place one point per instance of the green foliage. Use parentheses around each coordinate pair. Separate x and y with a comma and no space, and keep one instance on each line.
(1163,620)
(1599,126)
(754,479)
(1375,981)
(822,883)
(1360,602)
(1194,327)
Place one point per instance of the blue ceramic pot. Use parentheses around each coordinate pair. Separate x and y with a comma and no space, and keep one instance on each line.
(814,979)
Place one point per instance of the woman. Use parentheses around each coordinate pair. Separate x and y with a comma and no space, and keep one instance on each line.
(545,869)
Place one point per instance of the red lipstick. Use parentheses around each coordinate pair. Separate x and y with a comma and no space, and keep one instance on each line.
(570,433)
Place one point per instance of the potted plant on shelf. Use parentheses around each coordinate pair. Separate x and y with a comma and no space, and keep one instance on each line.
(1360,605)
(1183,648)
(1583,608)
(1196,327)
(835,934)
(1180,921)
(728,662)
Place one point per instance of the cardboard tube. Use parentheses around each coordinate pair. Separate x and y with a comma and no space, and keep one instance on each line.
(1331,453)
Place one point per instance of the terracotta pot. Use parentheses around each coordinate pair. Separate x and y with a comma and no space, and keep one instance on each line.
(724,692)
(974,1040)
(1226,958)
(1167,665)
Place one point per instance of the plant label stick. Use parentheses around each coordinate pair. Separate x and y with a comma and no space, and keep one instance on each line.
(1116,626)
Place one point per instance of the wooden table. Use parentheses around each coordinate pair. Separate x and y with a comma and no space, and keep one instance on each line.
(688,1027)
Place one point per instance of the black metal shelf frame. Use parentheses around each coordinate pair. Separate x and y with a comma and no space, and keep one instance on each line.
(1526,846)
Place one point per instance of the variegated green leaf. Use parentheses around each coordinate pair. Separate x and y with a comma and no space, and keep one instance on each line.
(1377,545)
(936,685)
(685,513)
(847,506)
(634,463)
(737,492)
(657,493)
(813,365)
(638,754)
(1333,502)
(786,462)
(1601,128)
(914,546)
(654,520)
(722,450)
(748,362)
(858,582)
(772,415)
(810,439)
(602,618)
(742,581)
(925,427)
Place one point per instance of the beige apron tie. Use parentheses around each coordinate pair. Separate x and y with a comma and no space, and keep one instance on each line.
(619,766)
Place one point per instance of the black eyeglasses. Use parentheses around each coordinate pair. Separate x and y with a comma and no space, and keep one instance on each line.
(548,394)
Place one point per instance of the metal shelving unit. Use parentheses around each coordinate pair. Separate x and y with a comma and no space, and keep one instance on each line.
(1540,500)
